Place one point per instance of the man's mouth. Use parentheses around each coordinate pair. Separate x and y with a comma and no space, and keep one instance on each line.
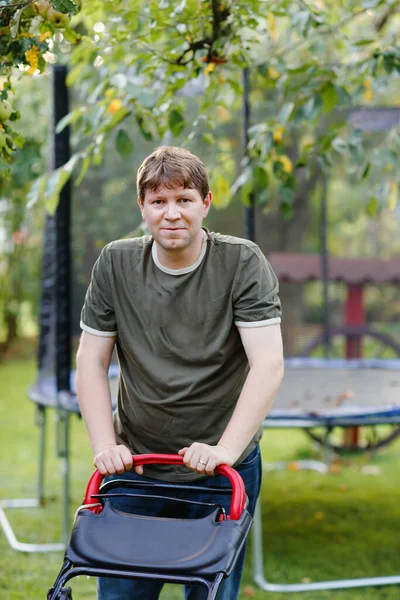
(173,228)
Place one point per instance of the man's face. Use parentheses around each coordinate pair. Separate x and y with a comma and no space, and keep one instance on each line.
(175,216)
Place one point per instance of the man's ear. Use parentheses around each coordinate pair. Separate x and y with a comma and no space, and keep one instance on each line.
(140,203)
(207,203)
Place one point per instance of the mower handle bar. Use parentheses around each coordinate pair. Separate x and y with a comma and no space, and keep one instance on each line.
(238,489)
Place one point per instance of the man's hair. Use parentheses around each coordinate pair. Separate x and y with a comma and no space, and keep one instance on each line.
(171,167)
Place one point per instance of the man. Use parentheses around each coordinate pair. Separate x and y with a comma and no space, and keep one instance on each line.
(194,317)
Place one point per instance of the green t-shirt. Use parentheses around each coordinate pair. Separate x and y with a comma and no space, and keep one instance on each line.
(182,362)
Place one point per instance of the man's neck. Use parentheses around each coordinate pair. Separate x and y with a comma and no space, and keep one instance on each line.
(180,258)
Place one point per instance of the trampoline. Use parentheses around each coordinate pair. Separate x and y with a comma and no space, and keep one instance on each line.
(329,393)
(45,396)
(44,391)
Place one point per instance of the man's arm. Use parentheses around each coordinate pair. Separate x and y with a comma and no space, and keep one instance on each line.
(93,390)
(263,347)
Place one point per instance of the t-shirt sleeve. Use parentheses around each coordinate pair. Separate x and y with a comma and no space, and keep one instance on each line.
(256,300)
(98,317)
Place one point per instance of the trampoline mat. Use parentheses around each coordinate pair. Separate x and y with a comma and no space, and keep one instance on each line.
(311,388)
(338,388)
(44,391)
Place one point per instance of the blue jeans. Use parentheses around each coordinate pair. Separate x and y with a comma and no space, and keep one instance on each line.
(128,589)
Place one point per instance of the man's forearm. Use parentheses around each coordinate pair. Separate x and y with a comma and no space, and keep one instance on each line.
(255,401)
(94,399)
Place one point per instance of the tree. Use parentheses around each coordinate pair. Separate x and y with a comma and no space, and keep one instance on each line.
(309,64)
(148,67)
(27,32)
(20,250)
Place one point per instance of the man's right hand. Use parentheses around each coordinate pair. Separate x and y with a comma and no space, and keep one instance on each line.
(115,459)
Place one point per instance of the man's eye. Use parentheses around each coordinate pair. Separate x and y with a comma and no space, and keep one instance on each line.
(185,200)
(157,201)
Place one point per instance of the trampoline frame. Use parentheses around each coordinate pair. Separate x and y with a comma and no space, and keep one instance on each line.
(279,421)
(55,326)
(38,500)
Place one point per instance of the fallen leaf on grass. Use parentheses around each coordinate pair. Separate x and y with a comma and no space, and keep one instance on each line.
(340,539)
(370,470)
(344,487)
(306,580)
(335,468)
(249,591)
(293,466)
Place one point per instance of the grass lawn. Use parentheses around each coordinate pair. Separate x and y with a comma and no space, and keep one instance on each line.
(341,525)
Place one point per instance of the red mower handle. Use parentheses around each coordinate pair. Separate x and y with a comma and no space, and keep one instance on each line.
(238,489)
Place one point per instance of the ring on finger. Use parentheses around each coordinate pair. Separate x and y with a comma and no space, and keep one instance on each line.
(201,462)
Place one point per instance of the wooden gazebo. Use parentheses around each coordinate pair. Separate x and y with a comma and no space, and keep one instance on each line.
(356,273)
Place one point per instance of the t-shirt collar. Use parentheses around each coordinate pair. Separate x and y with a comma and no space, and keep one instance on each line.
(185,270)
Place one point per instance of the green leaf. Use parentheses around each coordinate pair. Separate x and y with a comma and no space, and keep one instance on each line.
(366,171)
(313,107)
(18,139)
(324,161)
(123,143)
(98,152)
(56,181)
(339,145)
(365,42)
(372,206)
(329,97)
(221,192)
(146,133)
(357,154)
(15,22)
(70,118)
(176,121)
(243,178)
(117,117)
(302,69)
(209,138)
(75,73)
(285,112)
(372,3)
(84,168)
(64,6)
(344,98)
(238,60)
(393,196)
(286,202)
(235,85)
(246,193)
(278,169)
(260,177)
(36,192)
(301,20)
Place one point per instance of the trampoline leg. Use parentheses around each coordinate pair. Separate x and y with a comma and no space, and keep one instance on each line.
(65,466)
(257,547)
(41,423)
(264,584)
(30,502)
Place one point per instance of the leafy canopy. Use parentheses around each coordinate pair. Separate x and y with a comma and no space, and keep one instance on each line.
(311,63)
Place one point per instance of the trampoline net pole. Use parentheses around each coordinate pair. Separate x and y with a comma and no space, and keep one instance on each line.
(249,211)
(63,271)
(63,328)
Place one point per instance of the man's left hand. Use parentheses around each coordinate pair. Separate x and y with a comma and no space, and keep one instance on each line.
(203,458)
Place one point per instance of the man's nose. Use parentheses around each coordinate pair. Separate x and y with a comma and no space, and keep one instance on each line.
(172,211)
